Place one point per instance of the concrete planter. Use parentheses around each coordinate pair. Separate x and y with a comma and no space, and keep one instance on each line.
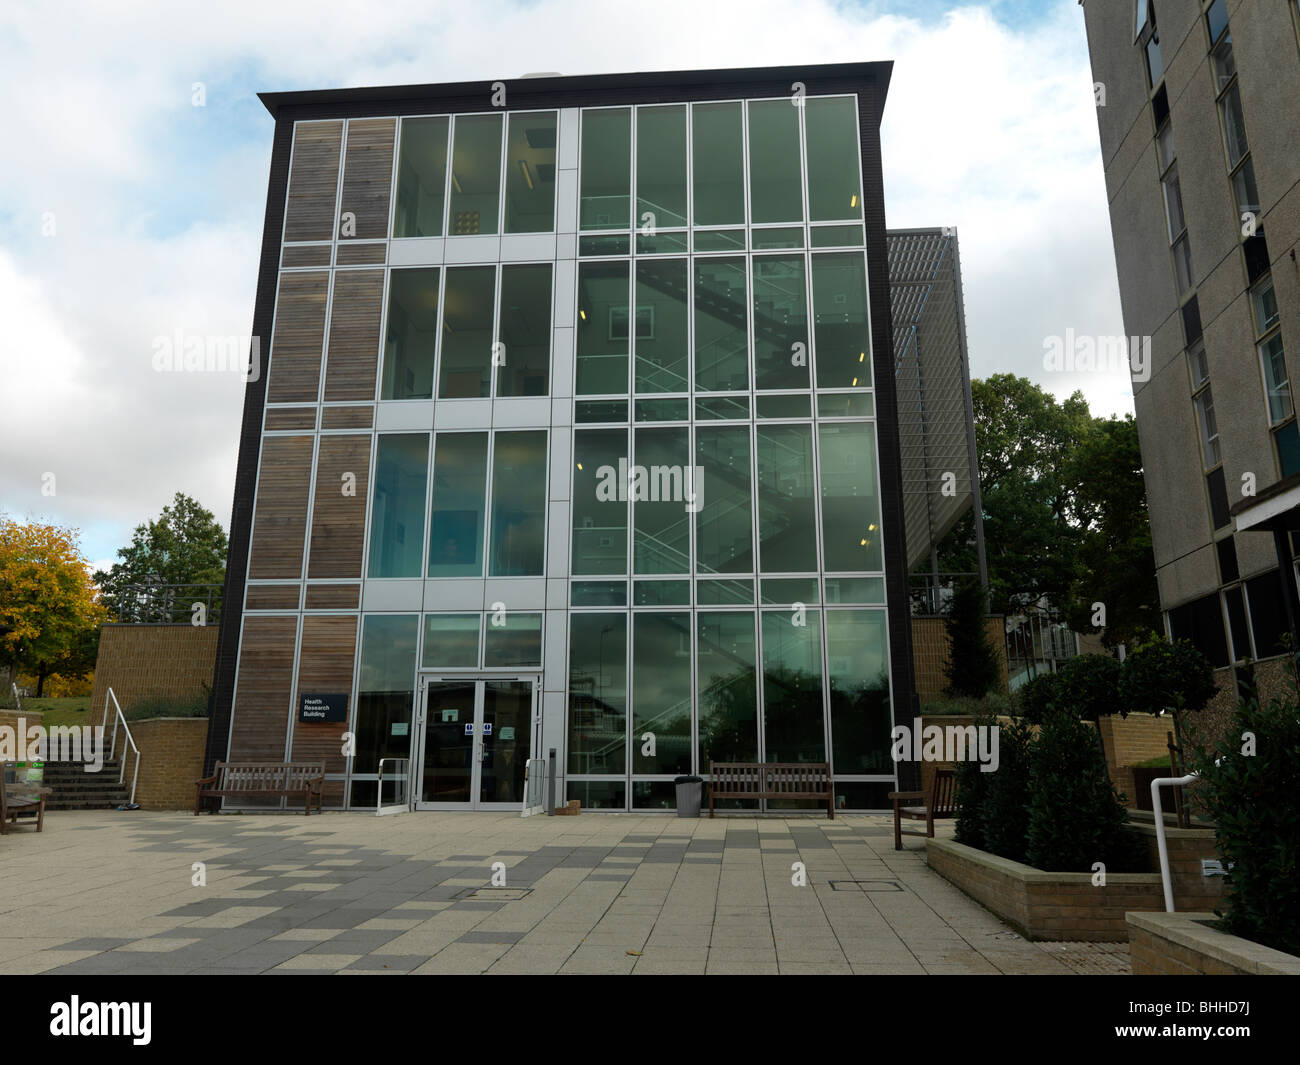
(1190,944)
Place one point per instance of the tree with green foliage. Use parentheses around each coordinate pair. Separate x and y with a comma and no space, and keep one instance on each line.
(972,663)
(1160,676)
(185,544)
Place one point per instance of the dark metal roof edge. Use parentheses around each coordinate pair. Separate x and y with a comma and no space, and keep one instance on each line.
(873,70)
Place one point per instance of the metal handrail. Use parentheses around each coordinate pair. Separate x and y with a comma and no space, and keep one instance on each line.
(112,751)
(1165,877)
(18,703)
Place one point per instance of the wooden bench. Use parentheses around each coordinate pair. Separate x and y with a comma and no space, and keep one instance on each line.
(940,801)
(19,804)
(263,780)
(772,780)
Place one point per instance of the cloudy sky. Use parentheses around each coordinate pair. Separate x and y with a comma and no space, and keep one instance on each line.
(127,213)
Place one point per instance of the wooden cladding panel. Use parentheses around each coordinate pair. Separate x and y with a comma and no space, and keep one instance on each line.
(306,255)
(280,513)
(338,524)
(298,339)
(361,254)
(367,174)
(333,596)
(313,181)
(290,418)
(347,417)
(325,667)
(263,689)
(271,596)
(354,335)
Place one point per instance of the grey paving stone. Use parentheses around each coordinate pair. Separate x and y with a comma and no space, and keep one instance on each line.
(491,937)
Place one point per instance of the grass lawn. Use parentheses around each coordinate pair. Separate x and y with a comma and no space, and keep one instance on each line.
(69,710)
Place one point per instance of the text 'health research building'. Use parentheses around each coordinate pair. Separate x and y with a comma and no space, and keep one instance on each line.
(577,436)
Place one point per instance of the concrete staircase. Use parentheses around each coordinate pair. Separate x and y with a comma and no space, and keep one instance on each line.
(75,789)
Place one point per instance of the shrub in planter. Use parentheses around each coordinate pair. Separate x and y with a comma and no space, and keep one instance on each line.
(1160,676)
(1250,785)
(1088,686)
(1075,816)
(1039,697)
(1004,811)
(972,791)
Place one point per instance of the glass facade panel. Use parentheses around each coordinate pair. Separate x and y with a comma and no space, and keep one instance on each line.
(475,175)
(518,504)
(781,339)
(1275,379)
(723,531)
(459,503)
(661,693)
(837,237)
(530,172)
(602,326)
(450,641)
(523,357)
(421,178)
(597,693)
(834,183)
(718,164)
(794,729)
(661,593)
(661,326)
(397,505)
(721,326)
(728,687)
(661,167)
(857,653)
(515,643)
(787,507)
(599,501)
(775,182)
(661,489)
(467,315)
(1234,125)
(410,343)
(606,170)
(851,535)
(841,332)
(846,405)
(385,689)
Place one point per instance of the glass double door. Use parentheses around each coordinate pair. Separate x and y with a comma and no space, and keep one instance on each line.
(475,738)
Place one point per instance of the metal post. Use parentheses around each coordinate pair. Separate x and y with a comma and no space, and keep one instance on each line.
(550,784)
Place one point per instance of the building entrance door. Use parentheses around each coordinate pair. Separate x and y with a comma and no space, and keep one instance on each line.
(476,734)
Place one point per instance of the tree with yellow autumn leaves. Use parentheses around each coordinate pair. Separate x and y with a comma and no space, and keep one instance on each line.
(50,611)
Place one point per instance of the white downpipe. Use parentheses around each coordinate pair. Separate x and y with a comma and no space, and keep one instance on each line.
(1165,878)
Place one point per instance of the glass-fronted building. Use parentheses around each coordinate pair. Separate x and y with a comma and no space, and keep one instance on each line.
(576,437)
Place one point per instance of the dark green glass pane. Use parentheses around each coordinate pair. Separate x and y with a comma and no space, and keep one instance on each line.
(530,172)
(781,341)
(475,175)
(841,335)
(794,728)
(598,794)
(421,178)
(467,313)
(1288,448)
(602,340)
(720,240)
(410,343)
(661,593)
(725,593)
(661,693)
(784,407)
(518,504)
(600,501)
(661,326)
(661,167)
(722,408)
(606,169)
(834,181)
(851,538)
(857,649)
(717,157)
(514,643)
(459,501)
(777,238)
(397,509)
(450,641)
(837,236)
(728,687)
(791,590)
(524,332)
(787,506)
(662,491)
(721,326)
(660,243)
(855,589)
(597,693)
(846,405)
(598,593)
(775,184)
(723,530)
(663,410)
(600,410)
(386,689)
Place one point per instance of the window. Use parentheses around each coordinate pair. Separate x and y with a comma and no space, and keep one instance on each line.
(475,175)
(1173,204)
(661,691)
(605,199)
(1209,427)
(841,335)
(851,536)
(513,641)
(1287,440)
(467,317)
(397,507)
(598,693)
(726,660)
(834,183)
(857,649)
(385,689)
(661,492)
(1276,388)
(662,326)
(602,351)
(459,505)
(524,330)
(787,508)
(1234,125)
(780,322)
(1165,146)
(794,728)
(718,169)
(519,481)
(721,325)
(1264,302)
(1216,19)
(775,178)
(451,641)
(1183,264)
(1148,37)
(1139,24)
(723,538)
(530,172)
(1217,486)
(1198,365)
(421,177)
(599,507)
(410,343)
(1245,192)
(660,167)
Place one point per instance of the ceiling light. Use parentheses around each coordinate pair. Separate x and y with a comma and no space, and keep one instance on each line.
(523,165)
(854,202)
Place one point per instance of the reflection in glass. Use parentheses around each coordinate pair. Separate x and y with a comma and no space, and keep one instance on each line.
(722,522)
(475,175)
(606,168)
(421,178)
(857,651)
(597,693)
(841,334)
(851,538)
(459,500)
(721,325)
(467,332)
(397,507)
(661,487)
(506,739)
(728,688)
(831,132)
(518,533)
(524,330)
(661,692)
(448,748)
(775,183)
(450,641)
(661,326)
(409,344)
(661,167)
(530,172)
(385,689)
(603,334)
(781,339)
(787,519)
(718,164)
(793,727)
(599,514)
(512,640)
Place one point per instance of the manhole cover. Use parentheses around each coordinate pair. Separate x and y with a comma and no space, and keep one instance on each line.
(494,894)
(866,885)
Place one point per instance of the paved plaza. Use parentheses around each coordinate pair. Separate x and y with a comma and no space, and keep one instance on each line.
(114,893)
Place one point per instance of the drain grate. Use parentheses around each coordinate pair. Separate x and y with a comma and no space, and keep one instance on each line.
(494,894)
(866,885)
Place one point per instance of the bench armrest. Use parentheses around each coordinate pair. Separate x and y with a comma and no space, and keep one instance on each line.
(907,794)
(205,780)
